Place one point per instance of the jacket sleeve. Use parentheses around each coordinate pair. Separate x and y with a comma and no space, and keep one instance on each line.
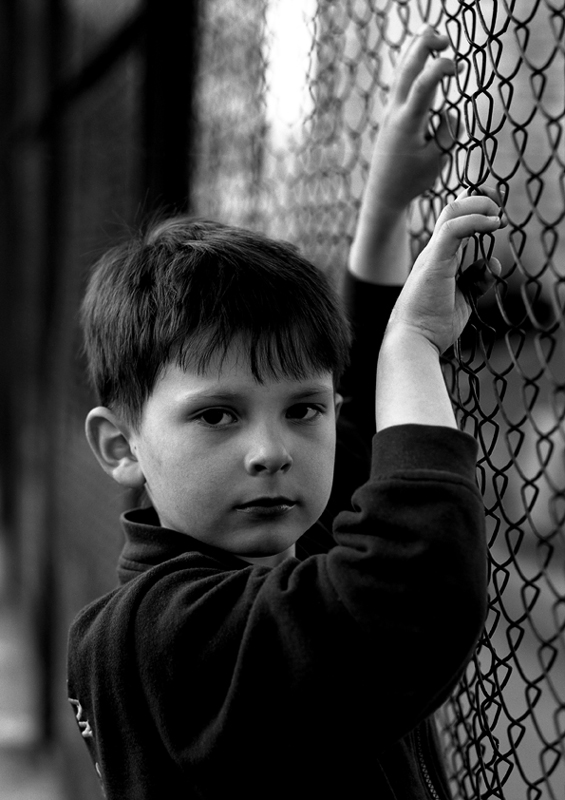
(368,307)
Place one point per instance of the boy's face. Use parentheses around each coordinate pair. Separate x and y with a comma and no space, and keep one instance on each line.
(243,466)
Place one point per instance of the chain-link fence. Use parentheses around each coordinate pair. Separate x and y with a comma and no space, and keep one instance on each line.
(290,95)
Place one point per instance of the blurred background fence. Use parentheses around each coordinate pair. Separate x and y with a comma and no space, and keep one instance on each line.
(262,113)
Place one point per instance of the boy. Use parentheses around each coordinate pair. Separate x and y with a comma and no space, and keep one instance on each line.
(246,652)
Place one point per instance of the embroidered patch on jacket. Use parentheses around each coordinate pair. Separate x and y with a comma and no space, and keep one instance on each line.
(84,725)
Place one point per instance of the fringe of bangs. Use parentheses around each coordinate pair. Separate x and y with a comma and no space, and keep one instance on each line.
(295,352)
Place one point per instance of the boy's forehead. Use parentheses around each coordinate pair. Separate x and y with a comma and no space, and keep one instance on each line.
(234,374)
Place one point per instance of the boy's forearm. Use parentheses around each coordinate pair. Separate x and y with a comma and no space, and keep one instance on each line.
(380,252)
(410,383)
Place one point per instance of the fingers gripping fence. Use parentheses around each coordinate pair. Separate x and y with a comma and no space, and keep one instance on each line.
(290,95)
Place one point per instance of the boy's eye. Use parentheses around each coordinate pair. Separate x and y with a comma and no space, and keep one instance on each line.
(304,412)
(216,417)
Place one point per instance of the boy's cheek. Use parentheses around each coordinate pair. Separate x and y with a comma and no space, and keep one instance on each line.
(325,472)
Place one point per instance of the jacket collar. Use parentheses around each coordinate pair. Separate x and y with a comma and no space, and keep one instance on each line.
(148,545)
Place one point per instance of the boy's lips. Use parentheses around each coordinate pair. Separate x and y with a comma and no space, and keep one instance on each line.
(267,506)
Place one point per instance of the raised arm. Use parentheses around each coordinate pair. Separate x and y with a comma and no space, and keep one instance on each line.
(405,162)
(430,315)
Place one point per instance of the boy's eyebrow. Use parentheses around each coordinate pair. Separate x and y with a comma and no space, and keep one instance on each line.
(231,395)
(314,389)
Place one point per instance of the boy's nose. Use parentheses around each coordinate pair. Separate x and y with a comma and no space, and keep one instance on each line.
(268,453)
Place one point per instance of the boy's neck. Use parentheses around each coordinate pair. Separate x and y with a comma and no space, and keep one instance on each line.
(270,561)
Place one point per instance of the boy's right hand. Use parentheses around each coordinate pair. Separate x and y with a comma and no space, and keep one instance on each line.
(432,303)
(406,161)
(407,158)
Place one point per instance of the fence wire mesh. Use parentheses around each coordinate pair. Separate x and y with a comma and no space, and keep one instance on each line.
(289,98)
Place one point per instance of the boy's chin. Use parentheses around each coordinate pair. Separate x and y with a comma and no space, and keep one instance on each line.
(270,548)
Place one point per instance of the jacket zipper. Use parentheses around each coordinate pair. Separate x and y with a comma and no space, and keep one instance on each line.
(424,768)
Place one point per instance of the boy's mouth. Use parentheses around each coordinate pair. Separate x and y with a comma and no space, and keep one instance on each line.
(267,506)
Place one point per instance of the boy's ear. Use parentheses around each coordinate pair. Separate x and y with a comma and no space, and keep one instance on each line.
(110,441)
(338,404)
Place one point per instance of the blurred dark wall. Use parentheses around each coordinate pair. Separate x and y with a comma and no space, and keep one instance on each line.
(95,127)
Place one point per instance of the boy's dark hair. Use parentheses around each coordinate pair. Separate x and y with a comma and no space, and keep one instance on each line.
(184,289)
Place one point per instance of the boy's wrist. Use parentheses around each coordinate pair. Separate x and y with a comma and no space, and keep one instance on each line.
(380,251)
(410,340)
(410,384)
(381,204)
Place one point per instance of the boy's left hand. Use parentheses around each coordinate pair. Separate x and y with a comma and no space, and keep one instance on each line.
(430,315)
(433,304)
